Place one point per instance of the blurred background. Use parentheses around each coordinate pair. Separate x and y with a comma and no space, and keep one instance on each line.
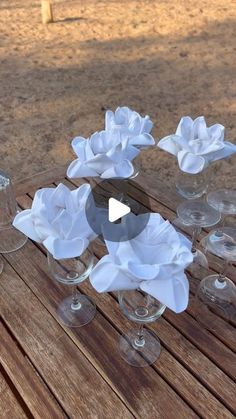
(160,57)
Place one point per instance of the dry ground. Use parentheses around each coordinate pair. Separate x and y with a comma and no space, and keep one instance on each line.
(164,58)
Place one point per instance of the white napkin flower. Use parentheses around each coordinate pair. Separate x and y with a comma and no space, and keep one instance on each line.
(106,154)
(57,219)
(197,145)
(154,261)
(132,124)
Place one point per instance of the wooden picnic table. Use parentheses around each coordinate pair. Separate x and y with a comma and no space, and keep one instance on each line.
(51,371)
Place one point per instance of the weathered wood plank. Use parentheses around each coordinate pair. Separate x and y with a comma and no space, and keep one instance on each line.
(38,181)
(33,391)
(98,340)
(197,363)
(64,368)
(9,405)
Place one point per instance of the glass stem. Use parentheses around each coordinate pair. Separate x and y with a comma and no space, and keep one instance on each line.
(76,305)
(196,233)
(222,275)
(140,341)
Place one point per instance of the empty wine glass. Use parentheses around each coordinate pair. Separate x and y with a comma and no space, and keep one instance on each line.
(198,214)
(10,238)
(140,346)
(77,309)
(223,201)
(192,186)
(216,294)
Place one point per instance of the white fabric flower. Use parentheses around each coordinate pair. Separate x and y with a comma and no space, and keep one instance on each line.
(197,145)
(57,219)
(154,261)
(129,122)
(106,154)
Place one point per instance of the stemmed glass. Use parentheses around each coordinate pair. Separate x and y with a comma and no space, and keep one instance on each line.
(192,186)
(140,346)
(197,214)
(10,238)
(223,201)
(216,294)
(77,309)
(122,184)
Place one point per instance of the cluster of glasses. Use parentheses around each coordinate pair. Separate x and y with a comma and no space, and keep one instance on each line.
(216,294)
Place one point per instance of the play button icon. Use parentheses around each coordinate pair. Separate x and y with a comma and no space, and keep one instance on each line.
(113,213)
(116,210)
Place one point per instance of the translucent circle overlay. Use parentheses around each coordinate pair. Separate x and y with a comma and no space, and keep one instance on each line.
(127,227)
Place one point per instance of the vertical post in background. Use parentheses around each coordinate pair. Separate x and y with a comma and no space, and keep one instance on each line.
(46,9)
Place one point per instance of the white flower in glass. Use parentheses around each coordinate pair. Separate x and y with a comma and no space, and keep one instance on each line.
(127,121)
(154,262)
(197,145)
(106,154)
(57,219)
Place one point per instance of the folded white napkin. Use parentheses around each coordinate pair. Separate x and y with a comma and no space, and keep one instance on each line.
(153,261)
(57,219)
(129,122)
(106,154)
(197,145)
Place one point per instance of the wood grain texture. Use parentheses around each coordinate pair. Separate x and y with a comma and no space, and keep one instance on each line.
(192,358)
(69,375)
(38,181)
(143,390)
(33,391)
(196,368)
(9,405)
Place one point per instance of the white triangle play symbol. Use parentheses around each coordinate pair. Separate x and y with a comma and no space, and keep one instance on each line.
(116,210)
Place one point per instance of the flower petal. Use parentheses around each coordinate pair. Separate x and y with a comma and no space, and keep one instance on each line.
(124,169)
(190,163)
(143,271)
(185,128)
(173,292)
(142,139)
(170,144)
(78,169)
(106,276)
(200,130)
(64,249)
(24,223)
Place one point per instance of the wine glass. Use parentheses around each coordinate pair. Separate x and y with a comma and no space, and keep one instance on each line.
(216,294)
(10,238)
(192,186)
(223,201)
(77,309)
(140,346)
(123,187)
(198,214)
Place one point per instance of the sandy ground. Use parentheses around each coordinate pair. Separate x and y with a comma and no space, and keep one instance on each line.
(161,57)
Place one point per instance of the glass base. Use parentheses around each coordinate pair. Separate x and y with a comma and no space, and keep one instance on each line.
(79,315)
(189,193)
(11,240)
(215,299)
(1,266)
(136,355)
